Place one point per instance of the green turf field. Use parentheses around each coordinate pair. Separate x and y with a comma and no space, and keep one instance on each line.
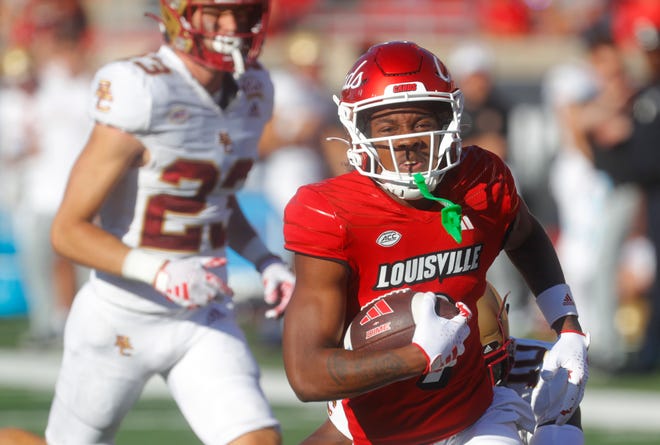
(152,421)
(157,420)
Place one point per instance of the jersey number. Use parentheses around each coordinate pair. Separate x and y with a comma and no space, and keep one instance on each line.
(434,380)
(155,67)
(159,207)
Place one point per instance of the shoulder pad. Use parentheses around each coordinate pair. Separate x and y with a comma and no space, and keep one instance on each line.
(121,96)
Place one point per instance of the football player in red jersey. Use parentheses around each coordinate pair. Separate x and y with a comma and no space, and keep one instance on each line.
(150,206)
(513,362)
(419,211)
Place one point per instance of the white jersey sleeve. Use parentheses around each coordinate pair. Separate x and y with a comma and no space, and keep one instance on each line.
(120,98)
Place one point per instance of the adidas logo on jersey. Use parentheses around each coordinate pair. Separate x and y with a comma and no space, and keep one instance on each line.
(390,237)
(466,224)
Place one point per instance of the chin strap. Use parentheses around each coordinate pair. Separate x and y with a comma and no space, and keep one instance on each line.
(450,215)
(239,63)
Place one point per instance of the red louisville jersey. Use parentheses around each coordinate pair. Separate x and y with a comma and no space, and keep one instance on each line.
(388,246)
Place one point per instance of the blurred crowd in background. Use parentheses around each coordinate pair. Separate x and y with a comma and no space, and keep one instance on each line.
(546,83)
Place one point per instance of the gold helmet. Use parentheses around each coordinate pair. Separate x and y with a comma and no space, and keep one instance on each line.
(494,330)
(227,52)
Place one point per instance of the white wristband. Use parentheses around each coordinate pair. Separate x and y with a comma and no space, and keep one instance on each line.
(141,266)
(556,302)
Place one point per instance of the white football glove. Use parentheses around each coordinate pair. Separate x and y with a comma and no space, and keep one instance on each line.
(548,397)
(440,339)
(190,283)
(563,378)
(278,287)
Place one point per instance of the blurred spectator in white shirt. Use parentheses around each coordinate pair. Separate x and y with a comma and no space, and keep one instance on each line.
(48,127)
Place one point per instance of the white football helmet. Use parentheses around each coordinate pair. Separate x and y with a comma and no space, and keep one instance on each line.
(393,74)
(229,52)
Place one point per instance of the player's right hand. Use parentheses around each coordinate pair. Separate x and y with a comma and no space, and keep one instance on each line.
(190,283)
(570,353)
(441,339)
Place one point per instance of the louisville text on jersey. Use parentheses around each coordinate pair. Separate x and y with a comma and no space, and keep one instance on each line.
(438,265)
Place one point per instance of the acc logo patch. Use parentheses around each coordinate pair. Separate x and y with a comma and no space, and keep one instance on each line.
(389,238)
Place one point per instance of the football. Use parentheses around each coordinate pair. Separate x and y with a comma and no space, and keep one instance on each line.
(387,321)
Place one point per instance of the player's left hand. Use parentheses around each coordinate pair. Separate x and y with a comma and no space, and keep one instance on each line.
(558,394)
(440,339)
(191,282)
(548,397)
(278,283)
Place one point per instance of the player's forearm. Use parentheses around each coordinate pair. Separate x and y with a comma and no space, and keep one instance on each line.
(536,260)
(567,323)
(239,229)
(242,237)
(340,374)
(88,245)
(538,263)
